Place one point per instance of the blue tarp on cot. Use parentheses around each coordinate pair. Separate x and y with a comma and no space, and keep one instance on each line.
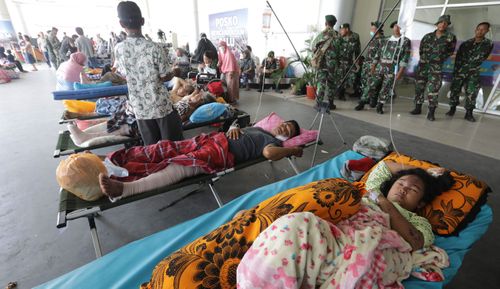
(132,264)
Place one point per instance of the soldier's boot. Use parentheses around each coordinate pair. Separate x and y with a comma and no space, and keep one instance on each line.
(331,105)
(430,114)
(380,108)
(469,116)
(342,94)
(373,102)
(360,106)
(452,111)
(417,109)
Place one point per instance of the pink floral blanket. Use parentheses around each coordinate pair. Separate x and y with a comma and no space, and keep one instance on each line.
(303,251)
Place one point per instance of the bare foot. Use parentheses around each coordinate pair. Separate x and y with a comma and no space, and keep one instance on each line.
(109,187)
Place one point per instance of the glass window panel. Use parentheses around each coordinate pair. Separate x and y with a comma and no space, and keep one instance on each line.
(392,18)
(464,20)
(427,16)
(469,1)
(390,3)
(429,2)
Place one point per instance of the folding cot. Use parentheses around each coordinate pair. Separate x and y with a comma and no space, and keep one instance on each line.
(91,93)
(132,264)
(71,207)
(65,145)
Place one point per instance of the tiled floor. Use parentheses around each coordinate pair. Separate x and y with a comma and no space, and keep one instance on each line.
(480,137)
(34,251)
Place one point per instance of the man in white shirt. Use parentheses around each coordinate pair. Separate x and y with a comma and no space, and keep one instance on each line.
(144,64)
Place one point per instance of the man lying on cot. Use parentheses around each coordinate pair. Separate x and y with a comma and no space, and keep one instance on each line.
(168,162)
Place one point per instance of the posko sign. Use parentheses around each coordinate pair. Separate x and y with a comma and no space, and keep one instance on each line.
(230,26)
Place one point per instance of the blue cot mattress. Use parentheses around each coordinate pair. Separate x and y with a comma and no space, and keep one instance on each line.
(91,93)
(131,265)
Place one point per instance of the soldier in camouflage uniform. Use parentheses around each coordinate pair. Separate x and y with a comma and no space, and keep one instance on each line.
(395,55)
(54,47)
(368,70)
(326,72)
(468,61)
(435,48)
(350,48)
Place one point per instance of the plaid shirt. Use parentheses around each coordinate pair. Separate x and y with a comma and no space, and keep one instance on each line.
(210,152)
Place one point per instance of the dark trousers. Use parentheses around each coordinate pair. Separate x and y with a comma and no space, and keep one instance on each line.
(47,59)
(165,128)
(19,66)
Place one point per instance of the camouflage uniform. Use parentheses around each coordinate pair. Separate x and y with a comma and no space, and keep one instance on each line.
(55,44)
(433,53)
(382,81)
(469,57)
(372,58)
(326,74)
(350,48)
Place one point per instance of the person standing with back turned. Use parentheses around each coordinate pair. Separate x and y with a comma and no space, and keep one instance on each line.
(144,63)
(326,49)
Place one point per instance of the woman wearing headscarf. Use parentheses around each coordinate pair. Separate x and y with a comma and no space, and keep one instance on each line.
(228,66)
(71,71)
(204,45)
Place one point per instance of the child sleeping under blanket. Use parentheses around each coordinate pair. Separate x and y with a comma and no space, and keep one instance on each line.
(381,245)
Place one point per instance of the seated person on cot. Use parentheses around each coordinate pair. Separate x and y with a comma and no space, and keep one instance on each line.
(268,67)
(71,71)
(386,229)
(209,65)
(169,162)
(123,123)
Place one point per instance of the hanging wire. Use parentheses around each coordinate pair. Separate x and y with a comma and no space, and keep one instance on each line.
(396,68)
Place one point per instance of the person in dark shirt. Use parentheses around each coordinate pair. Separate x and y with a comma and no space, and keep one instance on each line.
(252,142)
(13,60)
(244,144)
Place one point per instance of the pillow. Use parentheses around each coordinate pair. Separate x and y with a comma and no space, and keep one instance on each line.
(79,106)
(273,120)
(212,260)
(451,210)
(208,112)
(79,173)
(79,86)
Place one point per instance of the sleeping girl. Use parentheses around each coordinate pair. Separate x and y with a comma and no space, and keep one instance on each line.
(378,247)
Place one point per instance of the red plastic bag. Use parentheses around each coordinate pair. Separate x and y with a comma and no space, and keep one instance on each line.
(216,88)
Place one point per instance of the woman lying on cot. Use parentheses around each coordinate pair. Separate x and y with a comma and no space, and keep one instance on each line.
(376,247)
(122,123)
(169,162)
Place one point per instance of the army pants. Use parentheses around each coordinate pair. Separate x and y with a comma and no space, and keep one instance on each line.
(327,85)
(381,84)
(469,80)
(428,79)
(343,69)
(367,79)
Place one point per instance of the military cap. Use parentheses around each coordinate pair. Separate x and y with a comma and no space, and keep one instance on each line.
(442,18)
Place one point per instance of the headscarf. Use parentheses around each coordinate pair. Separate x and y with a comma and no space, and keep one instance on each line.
(70,70)
(227,60)
(204,45)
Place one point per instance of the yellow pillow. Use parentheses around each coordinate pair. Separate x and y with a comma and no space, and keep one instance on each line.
(211,260)
(448,210)
(79,106)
